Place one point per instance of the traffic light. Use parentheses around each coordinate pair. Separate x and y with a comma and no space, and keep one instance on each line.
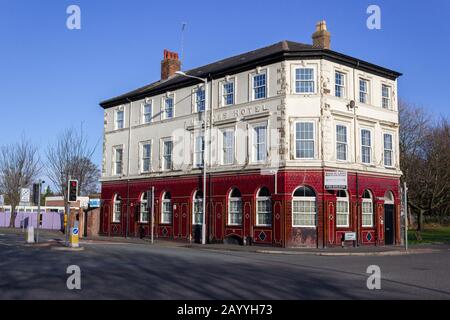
(36,193)
(73,190)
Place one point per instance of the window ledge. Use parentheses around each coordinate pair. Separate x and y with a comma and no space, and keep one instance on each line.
(299,226)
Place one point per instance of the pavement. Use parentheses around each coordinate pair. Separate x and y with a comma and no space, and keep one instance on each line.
(56,238)
(134,269)
(330,251)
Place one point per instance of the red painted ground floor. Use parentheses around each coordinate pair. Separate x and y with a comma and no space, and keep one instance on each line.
(291,210)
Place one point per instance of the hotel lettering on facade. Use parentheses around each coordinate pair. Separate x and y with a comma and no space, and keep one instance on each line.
(302,149)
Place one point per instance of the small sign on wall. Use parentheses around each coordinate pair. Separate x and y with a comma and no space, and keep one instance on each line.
(336,180)
(94,203)
(350,236)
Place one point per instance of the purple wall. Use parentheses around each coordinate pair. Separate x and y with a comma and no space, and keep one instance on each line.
(50,220)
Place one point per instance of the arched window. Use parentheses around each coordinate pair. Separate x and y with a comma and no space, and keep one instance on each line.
(143,217)
(117,208)
(342,209)
(235,208)
(367,209)
(197,208)
(389,197)
(304,207)
(166,208)
(263,208)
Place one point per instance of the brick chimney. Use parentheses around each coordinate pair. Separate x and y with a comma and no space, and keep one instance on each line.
(170,64)
(321,38)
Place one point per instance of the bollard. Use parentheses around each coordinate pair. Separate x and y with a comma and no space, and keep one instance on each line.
(74,232)
(30,234)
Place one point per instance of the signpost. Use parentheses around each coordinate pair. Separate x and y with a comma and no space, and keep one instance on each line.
(37,201)
(406,215)
(336,180)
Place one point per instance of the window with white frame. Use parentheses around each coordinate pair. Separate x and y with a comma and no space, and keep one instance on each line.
(304,207)
(199,147)
(228,146)
(228,93)
(388,149)
(260,142)
(235,208)
(118,160)
(167,154)
(200,99)
(117,207)
(339,84)
(168,108)
(197,208)
(263,208)
(341,142)
(366,146)
(166,208)
(304,80)
(304,140)
(342,209)
(143,218)
(147,112)
(120,119)
(367,209)
(146,156)
(363,91)
(259,86)
(386,96)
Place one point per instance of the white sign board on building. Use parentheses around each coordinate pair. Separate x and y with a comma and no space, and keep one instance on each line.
(25,195)
(350,236)
(94,203)
(336,180)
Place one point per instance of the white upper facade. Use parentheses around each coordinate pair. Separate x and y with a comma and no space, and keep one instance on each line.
(295,113)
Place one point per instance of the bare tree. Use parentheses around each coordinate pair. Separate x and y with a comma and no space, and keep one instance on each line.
(425,161)
(19,168)
(70,156)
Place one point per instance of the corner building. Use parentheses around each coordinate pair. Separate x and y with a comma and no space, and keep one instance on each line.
(280,120)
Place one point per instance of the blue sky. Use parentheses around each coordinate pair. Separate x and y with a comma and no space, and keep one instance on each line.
(52,77)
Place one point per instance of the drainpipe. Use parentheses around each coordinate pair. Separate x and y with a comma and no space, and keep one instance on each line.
(322,155)
(211,117)
(128,168)
(356,160)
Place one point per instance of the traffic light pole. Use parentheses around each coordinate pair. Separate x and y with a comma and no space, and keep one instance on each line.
(67,211)
(72,195)
(66,231)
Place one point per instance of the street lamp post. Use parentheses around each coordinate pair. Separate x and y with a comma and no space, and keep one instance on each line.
(205,137)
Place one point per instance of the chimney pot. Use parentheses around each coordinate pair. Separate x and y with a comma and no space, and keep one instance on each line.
(170,64)
(321,37)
